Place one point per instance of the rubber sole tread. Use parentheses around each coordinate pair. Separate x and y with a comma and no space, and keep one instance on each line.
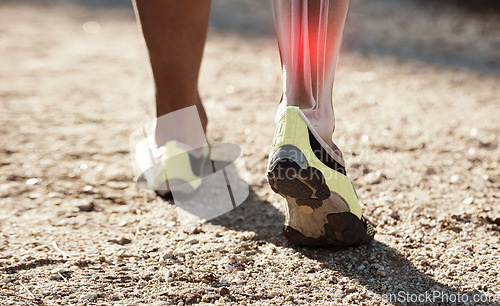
(308,187)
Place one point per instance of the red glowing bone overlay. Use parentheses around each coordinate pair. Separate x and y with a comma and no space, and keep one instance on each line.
(309,36)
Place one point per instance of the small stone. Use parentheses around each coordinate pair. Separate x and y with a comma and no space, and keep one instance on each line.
(224,291)
(456,229)
(31,181)
(192,241)
(87,188)
(209,278)
(361,267)
(87,206)
(168,261)
(40,248)
(122,241)
(381,174)
(422,260)
(89,297)
(238,281)
(56,277)
(168,254)
(468,201)
(453,261)
(194,230)
(454,178)
(229,268)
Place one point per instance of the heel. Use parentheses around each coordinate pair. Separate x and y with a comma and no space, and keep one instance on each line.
(306,187)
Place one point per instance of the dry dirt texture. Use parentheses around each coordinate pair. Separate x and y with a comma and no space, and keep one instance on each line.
(417,104)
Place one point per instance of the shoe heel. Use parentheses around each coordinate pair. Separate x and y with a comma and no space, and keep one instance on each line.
(290,176)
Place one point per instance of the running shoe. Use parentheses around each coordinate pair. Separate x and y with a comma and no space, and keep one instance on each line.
(179,166)
(322,207)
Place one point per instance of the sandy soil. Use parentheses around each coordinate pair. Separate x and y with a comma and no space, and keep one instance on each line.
(417,104)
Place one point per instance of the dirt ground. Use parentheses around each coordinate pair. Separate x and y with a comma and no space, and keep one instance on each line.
(417,101)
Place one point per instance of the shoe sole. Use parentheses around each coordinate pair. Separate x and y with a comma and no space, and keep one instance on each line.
(310,201)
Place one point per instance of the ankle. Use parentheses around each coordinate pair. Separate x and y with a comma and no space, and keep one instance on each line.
(321,117)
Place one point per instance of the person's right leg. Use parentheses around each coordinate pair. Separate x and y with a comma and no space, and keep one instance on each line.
(310,36)
(305,167)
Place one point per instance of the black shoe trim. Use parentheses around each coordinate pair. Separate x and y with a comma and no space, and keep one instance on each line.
(323,156)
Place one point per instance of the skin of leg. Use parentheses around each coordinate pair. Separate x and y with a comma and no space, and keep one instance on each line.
(309,36)
(175,33)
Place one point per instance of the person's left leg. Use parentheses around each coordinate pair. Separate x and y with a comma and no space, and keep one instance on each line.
(175,33)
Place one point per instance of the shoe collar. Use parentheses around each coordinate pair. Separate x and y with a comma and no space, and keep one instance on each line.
(282,112)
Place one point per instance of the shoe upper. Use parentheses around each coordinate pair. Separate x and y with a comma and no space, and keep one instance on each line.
(294,129)
(175,164)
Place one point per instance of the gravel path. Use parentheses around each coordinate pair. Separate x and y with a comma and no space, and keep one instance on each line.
(417,104)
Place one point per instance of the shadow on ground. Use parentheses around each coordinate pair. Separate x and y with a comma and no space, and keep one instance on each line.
(405,281)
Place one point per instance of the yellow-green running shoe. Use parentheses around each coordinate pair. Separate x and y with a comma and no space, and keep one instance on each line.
(322,206)
(180,167)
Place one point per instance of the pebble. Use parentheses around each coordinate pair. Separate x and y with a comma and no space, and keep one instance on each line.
(122,241)
(192,241)
(31,181)
(168,254)
(454,178)
(168,261)
(40,248)
(89,297)
(229,268)
(87,188)
(224,291)
(468,201)
(422,260)
(209,278)
(86,206)
(238,282)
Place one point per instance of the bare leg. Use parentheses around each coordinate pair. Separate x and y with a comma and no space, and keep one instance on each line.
(175,33)
(309,36)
